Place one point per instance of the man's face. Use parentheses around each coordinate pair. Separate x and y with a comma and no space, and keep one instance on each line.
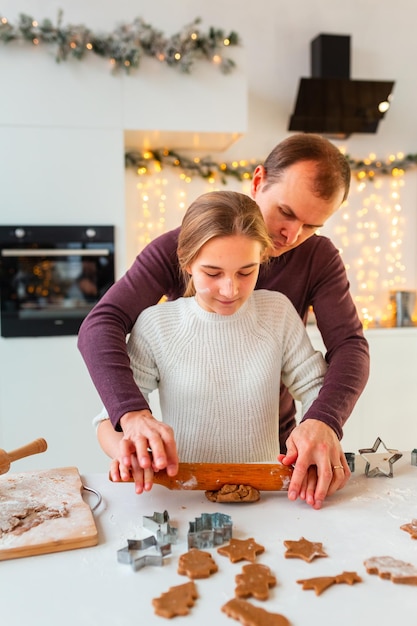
(291,211)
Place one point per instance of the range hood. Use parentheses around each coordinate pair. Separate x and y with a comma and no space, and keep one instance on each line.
(329,102)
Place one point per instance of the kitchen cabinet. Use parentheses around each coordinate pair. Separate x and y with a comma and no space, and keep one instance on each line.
(388,406)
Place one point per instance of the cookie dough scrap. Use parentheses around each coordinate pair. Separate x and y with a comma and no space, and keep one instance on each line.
(18,516)
(250,615)
(321,583)
(393,569)
(196,564)
(255,580)
(234,493)
(411,528)
(303,549)
(176,601)
(241,550)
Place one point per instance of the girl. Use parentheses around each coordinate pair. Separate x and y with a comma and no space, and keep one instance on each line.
(217,355)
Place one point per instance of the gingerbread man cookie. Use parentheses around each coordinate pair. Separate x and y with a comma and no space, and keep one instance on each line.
(255,580)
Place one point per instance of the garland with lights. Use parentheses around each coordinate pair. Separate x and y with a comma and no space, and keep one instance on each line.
(127,44)
(205,167)
(208,169)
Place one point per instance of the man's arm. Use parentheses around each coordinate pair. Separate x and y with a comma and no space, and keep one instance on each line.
(347,351)
(314,444)
(102,335)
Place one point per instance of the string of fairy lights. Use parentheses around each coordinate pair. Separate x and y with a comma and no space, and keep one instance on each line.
(371,224)
(368,230)
(126,45)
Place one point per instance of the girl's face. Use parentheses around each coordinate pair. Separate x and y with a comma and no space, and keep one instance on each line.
(225,272)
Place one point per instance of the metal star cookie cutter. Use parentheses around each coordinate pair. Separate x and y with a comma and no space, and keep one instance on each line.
(377,471)
(159,525)
(209,530)
(127,555)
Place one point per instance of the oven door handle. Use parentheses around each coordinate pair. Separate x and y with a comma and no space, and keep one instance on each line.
(19,252)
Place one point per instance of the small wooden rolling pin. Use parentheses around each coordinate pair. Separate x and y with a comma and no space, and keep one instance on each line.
(6,458)
(212,476)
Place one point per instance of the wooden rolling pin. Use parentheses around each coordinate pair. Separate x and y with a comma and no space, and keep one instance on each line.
(212,476)
(6,458)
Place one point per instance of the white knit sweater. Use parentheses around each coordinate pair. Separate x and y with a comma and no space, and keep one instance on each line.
(219,376)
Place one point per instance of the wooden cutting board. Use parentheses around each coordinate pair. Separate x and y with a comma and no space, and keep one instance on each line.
(54,512)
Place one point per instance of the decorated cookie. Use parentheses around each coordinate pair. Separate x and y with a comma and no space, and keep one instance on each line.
(387,567)
(303,549)
(411,528)
(234,493)
(255,580)
(250,615)
(321,583)
(241,550)
(176,601)
(196,564)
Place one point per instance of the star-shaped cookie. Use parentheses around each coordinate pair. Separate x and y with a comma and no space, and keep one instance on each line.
(411,528)
(241,549)
(303,549)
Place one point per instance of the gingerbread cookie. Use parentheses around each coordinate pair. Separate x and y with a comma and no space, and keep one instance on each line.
(303,549)
(241,549)
(176,601)
(321,583)
(196,564)
(255,580)
(411,528)
(250,615)
(387,567)
(234,493)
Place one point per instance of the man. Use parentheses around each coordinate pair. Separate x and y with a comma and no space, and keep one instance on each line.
(302,183)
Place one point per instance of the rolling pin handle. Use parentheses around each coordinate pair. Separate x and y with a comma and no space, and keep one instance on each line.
(35,447)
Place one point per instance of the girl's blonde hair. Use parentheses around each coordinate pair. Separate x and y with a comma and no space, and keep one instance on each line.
(219,214)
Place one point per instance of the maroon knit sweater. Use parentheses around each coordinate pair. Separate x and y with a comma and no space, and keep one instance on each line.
(310,274)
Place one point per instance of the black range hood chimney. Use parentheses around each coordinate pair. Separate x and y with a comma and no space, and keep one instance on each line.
(330,103)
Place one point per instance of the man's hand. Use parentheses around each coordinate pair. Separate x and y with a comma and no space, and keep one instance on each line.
(149,441)
(320,466)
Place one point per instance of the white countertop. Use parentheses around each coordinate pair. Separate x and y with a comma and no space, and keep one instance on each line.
(88,586)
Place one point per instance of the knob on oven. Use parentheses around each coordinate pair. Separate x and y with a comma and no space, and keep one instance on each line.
(20,232)
(90,232)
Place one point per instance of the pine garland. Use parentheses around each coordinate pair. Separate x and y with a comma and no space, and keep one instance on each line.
(127,44)
(208,169)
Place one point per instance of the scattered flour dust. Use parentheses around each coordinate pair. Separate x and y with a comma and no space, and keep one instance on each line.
(31,500)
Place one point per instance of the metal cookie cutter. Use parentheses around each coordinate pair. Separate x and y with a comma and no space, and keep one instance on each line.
(159,525)
(127,555)
(209,530)
(377,471)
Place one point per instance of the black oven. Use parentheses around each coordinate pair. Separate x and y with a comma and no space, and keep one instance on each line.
(52,276)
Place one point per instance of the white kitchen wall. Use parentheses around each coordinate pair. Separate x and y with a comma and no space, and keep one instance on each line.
(61,154)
